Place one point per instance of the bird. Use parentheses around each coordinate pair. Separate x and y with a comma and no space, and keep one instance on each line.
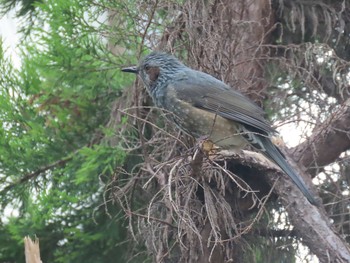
(203,106)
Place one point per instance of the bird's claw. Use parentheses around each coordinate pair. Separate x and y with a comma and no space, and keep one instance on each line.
(207,146)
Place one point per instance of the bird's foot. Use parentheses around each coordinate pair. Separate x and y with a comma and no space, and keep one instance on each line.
(277,141)
(207,146)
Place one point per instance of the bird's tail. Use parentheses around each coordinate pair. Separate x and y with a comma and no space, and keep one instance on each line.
(274,154)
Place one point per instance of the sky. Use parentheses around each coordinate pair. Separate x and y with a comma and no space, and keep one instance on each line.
(8,33)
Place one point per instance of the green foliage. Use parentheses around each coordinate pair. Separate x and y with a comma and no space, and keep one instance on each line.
(26,6)
(52,113)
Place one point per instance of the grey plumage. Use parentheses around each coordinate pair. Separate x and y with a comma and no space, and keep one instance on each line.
(205,106)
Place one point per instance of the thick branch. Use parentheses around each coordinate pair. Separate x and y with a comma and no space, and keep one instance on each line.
(311,222)
(327,142)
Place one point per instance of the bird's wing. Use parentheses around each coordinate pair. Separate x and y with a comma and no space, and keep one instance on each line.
(213,95)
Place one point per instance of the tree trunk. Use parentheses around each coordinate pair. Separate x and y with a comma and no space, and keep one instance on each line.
(218,202)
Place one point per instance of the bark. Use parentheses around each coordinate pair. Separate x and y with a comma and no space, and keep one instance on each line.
(327,142)
(311,222)
(225,41)
(32,250)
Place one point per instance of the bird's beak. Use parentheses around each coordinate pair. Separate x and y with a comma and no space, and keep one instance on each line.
(132,69)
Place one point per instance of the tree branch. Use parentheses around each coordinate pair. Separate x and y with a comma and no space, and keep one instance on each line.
(311,222)
(326,143)
(34,174)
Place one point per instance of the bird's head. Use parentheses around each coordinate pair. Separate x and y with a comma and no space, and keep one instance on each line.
(155,68)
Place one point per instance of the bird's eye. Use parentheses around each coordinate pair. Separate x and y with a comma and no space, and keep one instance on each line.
(147,67)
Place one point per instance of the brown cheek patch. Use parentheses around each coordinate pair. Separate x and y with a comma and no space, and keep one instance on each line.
(153,73)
